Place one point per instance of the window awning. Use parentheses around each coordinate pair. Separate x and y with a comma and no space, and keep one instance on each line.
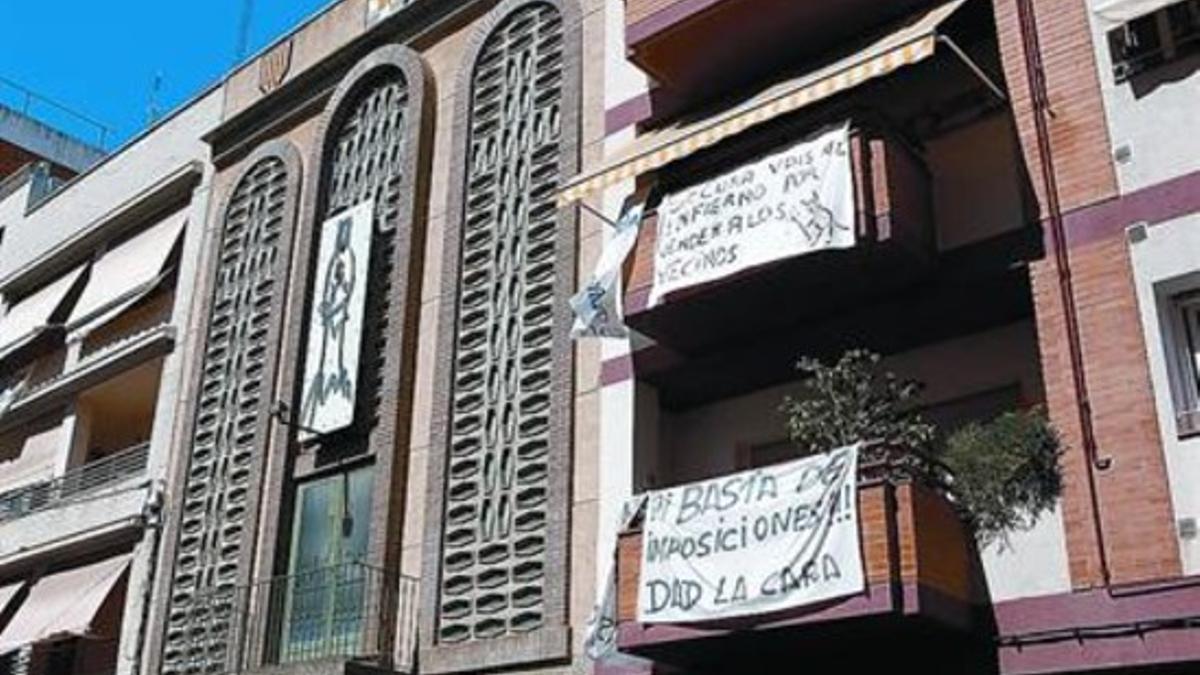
(37,458)
(124,274)
(37,309)
(63,604)
(912,42)
(1117,12)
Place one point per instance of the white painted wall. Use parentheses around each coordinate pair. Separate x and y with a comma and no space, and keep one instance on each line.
(1158,125)
(1165,263)
(162,151)
(1029,563)
(703,441)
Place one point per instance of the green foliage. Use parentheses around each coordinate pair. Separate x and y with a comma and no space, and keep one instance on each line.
(851,401)
(1005,472)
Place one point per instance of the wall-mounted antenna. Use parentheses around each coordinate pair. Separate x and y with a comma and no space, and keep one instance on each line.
(153,111)
(243,34)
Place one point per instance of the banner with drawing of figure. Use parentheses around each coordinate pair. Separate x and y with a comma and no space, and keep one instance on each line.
(752,542)
(788,203)
(336,321)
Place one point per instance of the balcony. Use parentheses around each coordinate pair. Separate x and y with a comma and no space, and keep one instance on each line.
(895,246)
(923,584)
(320,620)
(685,44)
(75,485)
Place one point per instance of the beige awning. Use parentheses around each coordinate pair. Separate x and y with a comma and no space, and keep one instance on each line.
(36,310)
(1117,12)
(39,453)
(124,274)
(63,604)
(910,43)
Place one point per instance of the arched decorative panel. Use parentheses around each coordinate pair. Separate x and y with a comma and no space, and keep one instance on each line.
(374,146)
(502,442)
(215,526)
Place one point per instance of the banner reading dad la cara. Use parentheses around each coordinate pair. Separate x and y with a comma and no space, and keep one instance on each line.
(786,204)
(753,542)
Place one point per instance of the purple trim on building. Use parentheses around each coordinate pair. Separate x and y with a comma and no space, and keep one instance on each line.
(628,113)
(878,599)
(1154,204)
(1096,629)
(665,18)
(637,300)
(654,358)
(1125,651)
(616,370)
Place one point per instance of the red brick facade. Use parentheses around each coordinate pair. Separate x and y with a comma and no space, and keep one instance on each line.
(1134,502)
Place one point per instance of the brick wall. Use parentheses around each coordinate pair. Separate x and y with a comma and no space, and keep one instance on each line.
(1079,134)
(1134,499)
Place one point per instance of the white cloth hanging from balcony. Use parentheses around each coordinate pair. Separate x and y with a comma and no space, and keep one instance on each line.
(753,542)
(597,306)
(1113,13)
(797,201)
(64,603)
(126,273)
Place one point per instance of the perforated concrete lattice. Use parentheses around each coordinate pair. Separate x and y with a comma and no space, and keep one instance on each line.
(494,544)
(228,431)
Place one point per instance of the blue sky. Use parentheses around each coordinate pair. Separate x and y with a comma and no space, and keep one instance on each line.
(101,58)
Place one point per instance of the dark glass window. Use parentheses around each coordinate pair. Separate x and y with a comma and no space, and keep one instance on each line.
(1152,40)
(328,575)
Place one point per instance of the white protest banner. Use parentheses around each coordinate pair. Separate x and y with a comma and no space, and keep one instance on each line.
(598,306)
(786,204)
(753,542)
(336,321)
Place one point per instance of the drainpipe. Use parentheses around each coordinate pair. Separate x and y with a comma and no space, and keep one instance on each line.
(1036,74)
(152,515)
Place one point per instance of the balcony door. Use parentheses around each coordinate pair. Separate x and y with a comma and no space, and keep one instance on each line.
(328,578)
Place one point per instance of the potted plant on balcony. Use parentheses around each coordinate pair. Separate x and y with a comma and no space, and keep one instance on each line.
(1004,473)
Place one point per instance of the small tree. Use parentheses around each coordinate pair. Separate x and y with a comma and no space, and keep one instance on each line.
(854,400)
(1005,472)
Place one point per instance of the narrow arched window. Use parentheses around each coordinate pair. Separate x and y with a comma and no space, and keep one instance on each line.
(503,454)
(214,526)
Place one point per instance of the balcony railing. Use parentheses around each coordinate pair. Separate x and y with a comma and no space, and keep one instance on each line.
(74,485)
(351,611)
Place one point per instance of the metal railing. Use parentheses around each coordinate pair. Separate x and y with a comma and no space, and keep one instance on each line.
(74,485)
(351,611)
(30,100)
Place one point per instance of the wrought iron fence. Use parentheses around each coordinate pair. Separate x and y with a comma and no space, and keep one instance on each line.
(350,611)
(76,484)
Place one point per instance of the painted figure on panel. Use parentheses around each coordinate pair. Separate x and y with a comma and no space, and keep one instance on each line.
(332,377)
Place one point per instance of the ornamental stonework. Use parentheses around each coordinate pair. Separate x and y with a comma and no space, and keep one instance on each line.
(215,530)
(493,555)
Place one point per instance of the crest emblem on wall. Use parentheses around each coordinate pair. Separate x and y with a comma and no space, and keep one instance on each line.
(273,66)
(378,9)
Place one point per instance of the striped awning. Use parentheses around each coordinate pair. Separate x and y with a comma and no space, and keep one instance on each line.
(911,42)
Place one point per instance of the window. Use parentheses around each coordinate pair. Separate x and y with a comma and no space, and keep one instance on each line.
(1183,342)
(1155,39)
(328,576)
